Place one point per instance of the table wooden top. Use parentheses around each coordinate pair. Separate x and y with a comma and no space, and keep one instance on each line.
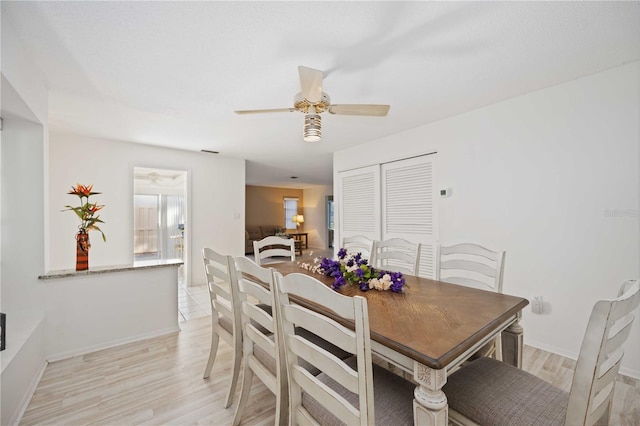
(432,322)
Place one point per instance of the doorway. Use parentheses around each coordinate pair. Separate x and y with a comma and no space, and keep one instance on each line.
(159,216)
(330,219)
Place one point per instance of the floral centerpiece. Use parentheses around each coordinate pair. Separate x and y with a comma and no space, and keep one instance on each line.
(87,213)
(354,269)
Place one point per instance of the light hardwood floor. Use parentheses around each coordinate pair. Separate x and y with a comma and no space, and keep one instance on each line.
(159,381)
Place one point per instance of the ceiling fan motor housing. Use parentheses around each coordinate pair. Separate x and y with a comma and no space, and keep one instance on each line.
(303,105)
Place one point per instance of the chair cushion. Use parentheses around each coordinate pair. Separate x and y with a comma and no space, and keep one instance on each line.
(392,395)
(490,392)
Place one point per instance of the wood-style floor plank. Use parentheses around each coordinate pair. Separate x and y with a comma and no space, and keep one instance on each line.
(159,382)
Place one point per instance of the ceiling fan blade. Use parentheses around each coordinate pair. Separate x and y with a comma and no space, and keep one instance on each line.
(360,109)
(259,111)
(311,83)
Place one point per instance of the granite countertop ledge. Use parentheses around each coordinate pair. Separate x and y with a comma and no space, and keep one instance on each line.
(135,266)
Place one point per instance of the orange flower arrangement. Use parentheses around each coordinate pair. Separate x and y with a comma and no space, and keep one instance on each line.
(87,211)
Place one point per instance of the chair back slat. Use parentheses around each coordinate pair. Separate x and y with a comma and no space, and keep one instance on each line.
(218,271)
(218,292)
(336,333)
(340,407)
(610,372)
(324,296)
(223,309)
(359,380)
(471,249)
(325,361)
(260,339)
(601,355)
(273,246)
(470,265)
(256,315)
(622,309)
(618,337)
(397,255)
(467,282)
(358,244)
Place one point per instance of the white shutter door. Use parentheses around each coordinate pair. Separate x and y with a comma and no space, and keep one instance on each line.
(359,203)
(408,206)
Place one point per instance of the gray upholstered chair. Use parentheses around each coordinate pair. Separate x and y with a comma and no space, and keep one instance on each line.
(225,313)
(345,391)
(489,392)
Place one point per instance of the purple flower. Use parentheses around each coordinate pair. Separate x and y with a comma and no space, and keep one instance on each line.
(361,276)
(342,253)
(339,282)
(397,282)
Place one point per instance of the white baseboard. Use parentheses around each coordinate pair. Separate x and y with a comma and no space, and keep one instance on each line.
(89,349)
(625,371)
(28,395)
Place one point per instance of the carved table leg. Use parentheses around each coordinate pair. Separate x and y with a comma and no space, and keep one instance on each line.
(430,403)
(512,345)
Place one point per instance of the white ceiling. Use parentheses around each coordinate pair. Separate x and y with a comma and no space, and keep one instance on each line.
(172,73)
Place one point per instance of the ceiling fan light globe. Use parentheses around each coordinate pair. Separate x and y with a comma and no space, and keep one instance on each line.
(312,128)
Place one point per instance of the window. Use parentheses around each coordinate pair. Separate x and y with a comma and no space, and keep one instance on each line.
(290,210)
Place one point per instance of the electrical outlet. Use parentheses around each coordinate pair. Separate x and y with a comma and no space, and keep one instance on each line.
(536,304)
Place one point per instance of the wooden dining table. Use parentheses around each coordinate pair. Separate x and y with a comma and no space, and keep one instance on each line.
(430,330)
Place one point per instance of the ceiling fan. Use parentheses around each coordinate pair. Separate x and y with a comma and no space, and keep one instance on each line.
(312,101)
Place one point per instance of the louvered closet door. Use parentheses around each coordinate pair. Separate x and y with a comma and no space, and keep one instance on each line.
(359,203)
(408,206)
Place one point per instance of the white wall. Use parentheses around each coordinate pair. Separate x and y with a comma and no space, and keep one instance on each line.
(540,176)
(23,147)
(114,308)
(315,215)
(216,197)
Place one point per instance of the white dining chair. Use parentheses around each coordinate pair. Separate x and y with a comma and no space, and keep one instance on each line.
(345,391)
(396,255)
(225,313)
(271,249)
(490,392)
(358,244)
(263,355)
(472,265)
